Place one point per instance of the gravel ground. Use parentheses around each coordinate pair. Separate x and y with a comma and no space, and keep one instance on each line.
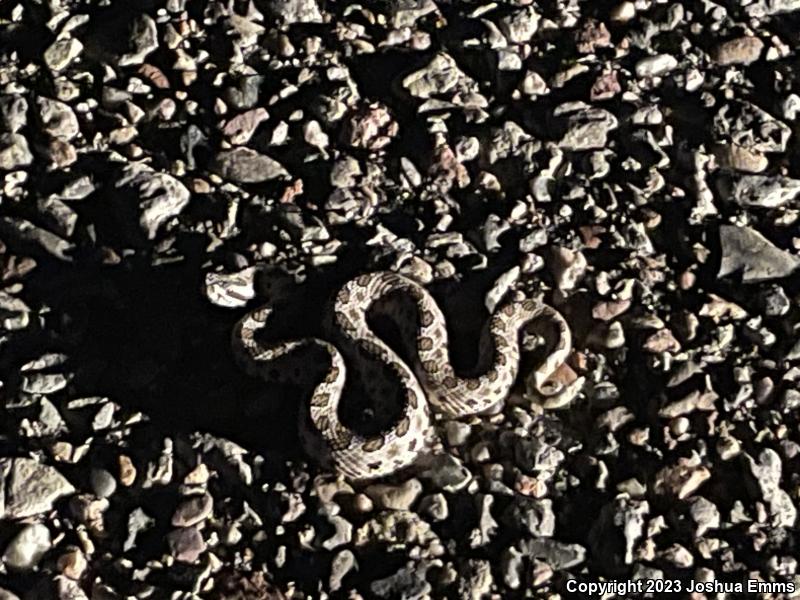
(638,163)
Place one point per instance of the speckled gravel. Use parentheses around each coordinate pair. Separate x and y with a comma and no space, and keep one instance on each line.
(166,164)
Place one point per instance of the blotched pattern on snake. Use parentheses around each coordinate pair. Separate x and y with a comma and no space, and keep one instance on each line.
(435,385)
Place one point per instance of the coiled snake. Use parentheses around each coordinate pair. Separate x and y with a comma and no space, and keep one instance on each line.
(434,386)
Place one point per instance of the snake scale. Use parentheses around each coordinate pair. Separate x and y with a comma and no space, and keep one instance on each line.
(432,386)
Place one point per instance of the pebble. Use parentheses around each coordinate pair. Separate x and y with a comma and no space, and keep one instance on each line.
(245,165)
(31,488)
(14,151)
(395,497)
(738,51)
(653,66)
(27,547)
(745,249)
(103,483)
(186,544)
(193,510)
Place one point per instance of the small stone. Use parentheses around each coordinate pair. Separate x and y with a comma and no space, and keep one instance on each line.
(186,544)
(740,158)
(31,488)
(653,66)
(623,12)
(143,41)
(765,191)
(72,564)
(341,565)
(662,341)
(568,267)
(103,483)
(193,510)
(446,472)
(57,118)
(245,165)
(739,51)
(61,53)
(295,11)
(395,497)
(435,507)
(14,152)
(746,249)
(127,471)
(681,480)
(27,547)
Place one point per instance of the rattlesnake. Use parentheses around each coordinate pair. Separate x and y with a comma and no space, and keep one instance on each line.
(434,386)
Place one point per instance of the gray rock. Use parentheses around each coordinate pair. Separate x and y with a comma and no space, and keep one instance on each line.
(765,191)
(446,472)
(557,555)
(615,534)
(193,510)
(341,565)
(6,595)
(475,581)
(13,113)
(342,534)
(31,488)
(520,26)
(535,516)
(62,52)
(745,248)
(587,127)
(295,11)
(161,196)
(395,497)
(767,473)
(27,547)
(487,526)
(57,118)
(404,13)
(245,165)
(14,151)
(186,544)
(143,41)
(409,582)
(652,66)
(705,515)
(103,483)
(511,564)
(774,301)
(434,506)
(138,521)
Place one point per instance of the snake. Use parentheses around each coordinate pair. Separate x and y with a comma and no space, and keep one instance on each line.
(428,390)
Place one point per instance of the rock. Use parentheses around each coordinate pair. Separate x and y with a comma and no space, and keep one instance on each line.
(568,267)
(745,249)
(653,66)
(13,113)
(587,127)
(244,165)
(143,41)
(705,515)
(295,11)
(680,480)
(555,554)
(31,488)
(536,516)
(740,158)
(765,191)
(103,483)
(6,595)
(395,497)
(408,582)
(193,510)
(138,521)
(160,196)
(435,507)
(767,473)
(27,547)
(475,580)
(445,472)
(520,25)
(60,54)
(186,544)
(342,564)
(617,532)
(14,152)
(738,51)
(58,119)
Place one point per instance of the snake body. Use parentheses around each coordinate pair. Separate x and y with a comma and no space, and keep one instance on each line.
(435,385)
